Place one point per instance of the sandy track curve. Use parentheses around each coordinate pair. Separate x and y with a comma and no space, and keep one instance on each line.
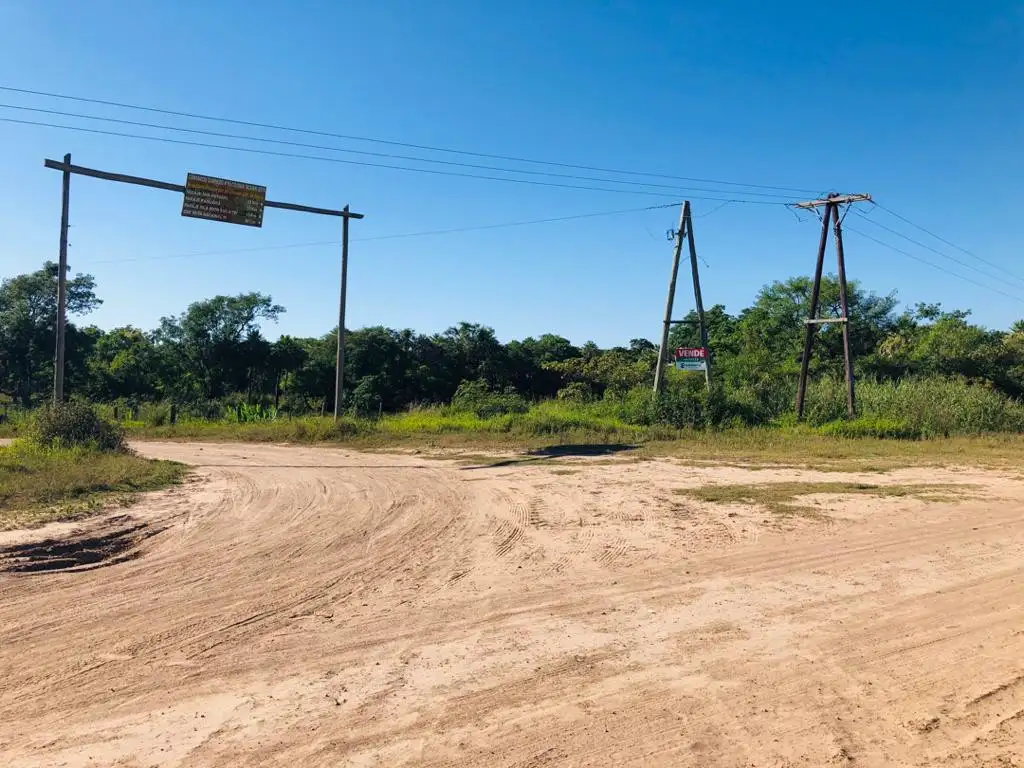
(318,607)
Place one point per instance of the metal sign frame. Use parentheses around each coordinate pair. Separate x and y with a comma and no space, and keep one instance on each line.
(67,169)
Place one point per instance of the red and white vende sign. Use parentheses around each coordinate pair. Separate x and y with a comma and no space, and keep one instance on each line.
(699,353)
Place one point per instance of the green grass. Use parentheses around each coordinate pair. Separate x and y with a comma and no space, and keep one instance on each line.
(782,498)
(545,423)
(38,485)
(495,439)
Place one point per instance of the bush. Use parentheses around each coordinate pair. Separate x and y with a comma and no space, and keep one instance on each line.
(940,407)
(932,407)
(75,424)
(886,429)
(366,398)
(158,415)
(685,403)
(475,397)
(575,392)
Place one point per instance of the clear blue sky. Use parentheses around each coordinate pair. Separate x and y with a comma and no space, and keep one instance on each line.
(919,103)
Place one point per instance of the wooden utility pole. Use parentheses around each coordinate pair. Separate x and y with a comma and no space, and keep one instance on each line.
(62,287)
(696,293)
(830,215)
(685,231)
(659,370)
(339,366)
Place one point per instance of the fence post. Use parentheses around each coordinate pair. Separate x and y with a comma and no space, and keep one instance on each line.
(174,414)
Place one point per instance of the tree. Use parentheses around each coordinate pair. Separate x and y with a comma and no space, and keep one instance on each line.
(770,334)
(929,341)
(287,356)
(473,352)
(28,319)
(527,360)
(124,364)
(218,343)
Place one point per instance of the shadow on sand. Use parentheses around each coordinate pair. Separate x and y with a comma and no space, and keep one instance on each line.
(558,452)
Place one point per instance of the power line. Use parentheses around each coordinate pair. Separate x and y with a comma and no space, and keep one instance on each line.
(927,247)
(716,209)
(425,233)
(321,158)
(933,265)
(408,145)
(941,239)
(217,134)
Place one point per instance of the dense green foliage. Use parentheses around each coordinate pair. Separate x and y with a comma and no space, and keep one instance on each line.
(75,424)
(924,371)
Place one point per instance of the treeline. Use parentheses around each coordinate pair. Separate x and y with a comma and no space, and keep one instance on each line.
(215,355)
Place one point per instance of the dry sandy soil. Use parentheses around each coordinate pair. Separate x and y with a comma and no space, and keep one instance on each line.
(317,607)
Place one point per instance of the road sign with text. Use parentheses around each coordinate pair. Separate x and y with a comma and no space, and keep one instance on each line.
(234,202)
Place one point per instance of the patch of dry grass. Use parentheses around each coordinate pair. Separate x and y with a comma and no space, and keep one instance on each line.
(783,498)
(38,485)
(773,448)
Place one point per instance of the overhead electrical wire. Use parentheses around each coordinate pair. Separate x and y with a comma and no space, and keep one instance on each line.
(321,158)
(941,239)
(936,251)
(424,233)
(932,264)
(389,142)
(674,188)
(465,153)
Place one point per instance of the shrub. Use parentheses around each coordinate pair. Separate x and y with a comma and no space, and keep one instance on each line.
(888,429)
(75,424)
(475,397)
(634,407)
(366,397)
(158,415)
(576,392)
(939,407)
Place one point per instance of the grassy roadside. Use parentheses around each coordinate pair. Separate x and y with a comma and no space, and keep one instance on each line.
(525,434)
(39,485)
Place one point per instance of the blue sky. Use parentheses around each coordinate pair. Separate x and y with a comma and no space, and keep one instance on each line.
(917,103)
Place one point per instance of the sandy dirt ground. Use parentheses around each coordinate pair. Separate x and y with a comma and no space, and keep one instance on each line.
(317,607)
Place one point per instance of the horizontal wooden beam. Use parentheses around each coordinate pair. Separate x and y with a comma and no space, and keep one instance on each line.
(824,320)
(836,199)
(124,178)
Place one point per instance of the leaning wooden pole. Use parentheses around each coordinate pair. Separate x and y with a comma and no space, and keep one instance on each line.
(659,371)
(810,327)
(699,300)
(847,356)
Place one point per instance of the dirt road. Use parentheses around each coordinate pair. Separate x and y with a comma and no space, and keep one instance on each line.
(318,607)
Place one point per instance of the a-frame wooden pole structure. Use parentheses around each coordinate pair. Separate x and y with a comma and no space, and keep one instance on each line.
(685,231)
(831,216)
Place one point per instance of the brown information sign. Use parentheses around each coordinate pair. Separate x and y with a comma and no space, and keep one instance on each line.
(216,199)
